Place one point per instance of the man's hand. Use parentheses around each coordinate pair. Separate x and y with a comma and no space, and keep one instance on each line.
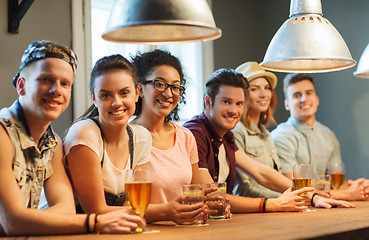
(353,190)
(323,202)
(289,201)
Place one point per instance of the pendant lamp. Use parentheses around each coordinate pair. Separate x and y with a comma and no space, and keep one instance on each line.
(307,43)
(362,70)
(161,21)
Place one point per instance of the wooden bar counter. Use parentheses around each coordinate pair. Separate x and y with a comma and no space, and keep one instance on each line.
(336,223)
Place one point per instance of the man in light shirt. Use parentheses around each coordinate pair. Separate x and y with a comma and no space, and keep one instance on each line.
(302,139)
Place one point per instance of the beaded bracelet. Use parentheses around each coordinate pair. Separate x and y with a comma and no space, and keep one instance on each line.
(312,198)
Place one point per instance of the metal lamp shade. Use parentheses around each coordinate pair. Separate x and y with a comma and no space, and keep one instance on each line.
(362,70)
(161,21)
(307,43)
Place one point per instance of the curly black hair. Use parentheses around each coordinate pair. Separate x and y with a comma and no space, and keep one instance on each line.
(145,63)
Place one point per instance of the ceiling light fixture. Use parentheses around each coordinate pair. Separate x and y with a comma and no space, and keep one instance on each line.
(161,21)
(362,70)
(307,42)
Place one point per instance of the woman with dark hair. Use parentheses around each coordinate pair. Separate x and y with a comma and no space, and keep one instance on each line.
(101,146)
(251,133)
(174,159)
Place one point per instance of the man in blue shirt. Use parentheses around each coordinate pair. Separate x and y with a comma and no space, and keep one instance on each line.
(302,139)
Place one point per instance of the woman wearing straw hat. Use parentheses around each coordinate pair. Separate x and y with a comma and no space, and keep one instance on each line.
(251,132)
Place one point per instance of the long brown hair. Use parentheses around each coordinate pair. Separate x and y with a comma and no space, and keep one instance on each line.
(102,66)
(266,118)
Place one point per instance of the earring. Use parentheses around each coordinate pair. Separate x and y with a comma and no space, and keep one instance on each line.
(20,86)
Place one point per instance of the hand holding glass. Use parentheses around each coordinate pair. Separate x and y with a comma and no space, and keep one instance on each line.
(216,200)
(195,194)
(301,176)
(138,190)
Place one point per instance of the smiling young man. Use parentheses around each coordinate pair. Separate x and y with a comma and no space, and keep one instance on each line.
(31,153)
(302,139)
(225,96)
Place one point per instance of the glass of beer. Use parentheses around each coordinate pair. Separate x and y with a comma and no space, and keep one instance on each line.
(338,175)
(302,176)
(138,190)
(196,194)
(216,200)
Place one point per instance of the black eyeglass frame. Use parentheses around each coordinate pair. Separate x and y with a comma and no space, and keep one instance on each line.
(167,85)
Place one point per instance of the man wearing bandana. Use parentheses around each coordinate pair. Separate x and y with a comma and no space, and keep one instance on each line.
(31,153)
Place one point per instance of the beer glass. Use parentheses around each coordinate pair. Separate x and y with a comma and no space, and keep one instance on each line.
(138,190)
(338,175)
(302,176)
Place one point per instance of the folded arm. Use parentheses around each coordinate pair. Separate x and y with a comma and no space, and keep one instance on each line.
(352,191)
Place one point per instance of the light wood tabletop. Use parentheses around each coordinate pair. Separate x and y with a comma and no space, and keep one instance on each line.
(335,223)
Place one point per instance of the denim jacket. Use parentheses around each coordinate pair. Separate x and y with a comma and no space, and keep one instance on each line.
(31,164)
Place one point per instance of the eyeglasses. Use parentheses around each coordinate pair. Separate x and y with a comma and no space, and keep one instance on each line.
(162,86)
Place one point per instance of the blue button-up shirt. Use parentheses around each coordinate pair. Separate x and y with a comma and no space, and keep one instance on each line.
(299,143)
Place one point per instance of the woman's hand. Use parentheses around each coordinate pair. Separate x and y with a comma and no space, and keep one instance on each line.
(186,214)
(289,201)
(121,221)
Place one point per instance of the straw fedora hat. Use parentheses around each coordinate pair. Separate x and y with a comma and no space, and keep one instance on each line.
(252,70)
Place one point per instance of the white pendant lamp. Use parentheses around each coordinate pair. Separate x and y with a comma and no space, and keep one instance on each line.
(307,43)
(362,70)
(161,21)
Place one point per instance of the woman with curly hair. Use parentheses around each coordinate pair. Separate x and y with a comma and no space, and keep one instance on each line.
(174,159)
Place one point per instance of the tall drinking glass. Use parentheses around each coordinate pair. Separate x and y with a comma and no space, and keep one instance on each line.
(338,175)
(323,183)
(213,201)
(138,190)
(302,176)
(195,194)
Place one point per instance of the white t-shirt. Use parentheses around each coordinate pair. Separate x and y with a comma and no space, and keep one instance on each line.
(87,133)
(223,164)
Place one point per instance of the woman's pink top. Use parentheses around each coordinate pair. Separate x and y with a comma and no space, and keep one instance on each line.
(172,168)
